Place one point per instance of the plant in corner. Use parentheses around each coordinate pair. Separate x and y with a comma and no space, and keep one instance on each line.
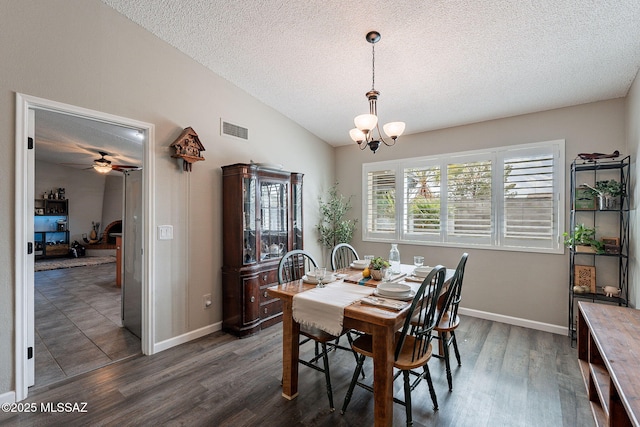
(334,227)
(583,237)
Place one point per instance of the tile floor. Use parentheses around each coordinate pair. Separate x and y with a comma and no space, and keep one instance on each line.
(77,322)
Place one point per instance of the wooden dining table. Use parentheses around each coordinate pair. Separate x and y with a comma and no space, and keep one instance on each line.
(379,322)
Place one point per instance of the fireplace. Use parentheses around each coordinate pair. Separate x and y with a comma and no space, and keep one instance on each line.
(114,227)
(107,241)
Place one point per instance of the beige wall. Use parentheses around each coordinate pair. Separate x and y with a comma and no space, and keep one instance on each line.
(83,53)
(531,286)
(633,141)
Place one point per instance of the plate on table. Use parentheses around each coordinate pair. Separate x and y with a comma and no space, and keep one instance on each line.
(408,297)
(361,263)
(391,289)
(422,271)
(311,278)
(358,266)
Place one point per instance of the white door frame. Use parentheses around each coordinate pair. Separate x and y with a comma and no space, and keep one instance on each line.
(24,306)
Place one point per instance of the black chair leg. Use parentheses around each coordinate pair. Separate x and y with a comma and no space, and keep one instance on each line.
(445,348)
(350,339)
(354,380)
(432,392)
(407,397)
(455,347)
(327,376)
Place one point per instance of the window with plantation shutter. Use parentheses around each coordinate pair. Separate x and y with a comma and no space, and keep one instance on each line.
(421,218)
(509,198)
(381,202)
(528,198)
(469,204)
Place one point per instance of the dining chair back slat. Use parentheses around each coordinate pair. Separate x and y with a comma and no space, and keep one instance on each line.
(294,265)
(424,305)
(342,255)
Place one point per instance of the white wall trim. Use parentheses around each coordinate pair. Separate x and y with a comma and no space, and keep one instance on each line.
(516,321)
(189,336)
(8,397)
(23,104)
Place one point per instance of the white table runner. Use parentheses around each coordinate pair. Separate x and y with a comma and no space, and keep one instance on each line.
(323,308)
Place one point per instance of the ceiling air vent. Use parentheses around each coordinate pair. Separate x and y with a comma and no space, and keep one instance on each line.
(236,131)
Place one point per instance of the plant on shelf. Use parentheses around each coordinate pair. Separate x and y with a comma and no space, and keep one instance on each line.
(607,191)
(583,239)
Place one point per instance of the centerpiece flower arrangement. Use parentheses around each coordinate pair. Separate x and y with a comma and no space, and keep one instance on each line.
(375,268)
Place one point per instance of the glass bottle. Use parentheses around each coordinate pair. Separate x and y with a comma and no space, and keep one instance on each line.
(394,258)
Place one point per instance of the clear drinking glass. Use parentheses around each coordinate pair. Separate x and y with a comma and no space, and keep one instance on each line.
(386,274)
(321,273)
(368,258)
(418,261)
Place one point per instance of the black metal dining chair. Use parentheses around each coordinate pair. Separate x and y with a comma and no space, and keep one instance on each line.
(449,321)
(413,348)
(342,255)
(293,266)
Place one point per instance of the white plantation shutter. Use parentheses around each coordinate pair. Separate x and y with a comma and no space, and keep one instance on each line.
(509,198)
(421,219)
(469,201)
(380,203)
(529,204)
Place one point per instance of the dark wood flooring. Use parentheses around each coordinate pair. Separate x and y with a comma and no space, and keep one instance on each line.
(78,323)
(510,376)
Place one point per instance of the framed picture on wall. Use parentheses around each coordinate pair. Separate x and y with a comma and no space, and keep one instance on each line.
(585,199)
(585,276)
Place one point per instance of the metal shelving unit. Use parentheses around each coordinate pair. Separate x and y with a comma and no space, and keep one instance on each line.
(593,171)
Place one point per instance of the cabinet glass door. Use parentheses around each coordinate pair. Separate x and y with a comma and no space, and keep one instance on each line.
(273,219)
(297,216)
(249,220)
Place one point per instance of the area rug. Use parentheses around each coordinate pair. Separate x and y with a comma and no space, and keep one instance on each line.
(54,264)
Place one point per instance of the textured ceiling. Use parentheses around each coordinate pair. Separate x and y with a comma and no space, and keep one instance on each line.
(439,63)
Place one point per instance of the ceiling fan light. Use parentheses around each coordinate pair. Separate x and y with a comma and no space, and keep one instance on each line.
(394,129)
(366,122)
(102,168)
(357,135)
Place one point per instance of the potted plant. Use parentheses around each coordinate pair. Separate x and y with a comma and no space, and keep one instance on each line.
(583,239)
(607,192)
(334,227)
(376,266)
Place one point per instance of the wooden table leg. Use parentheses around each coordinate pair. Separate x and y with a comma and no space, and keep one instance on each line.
(383,349)
(290,352)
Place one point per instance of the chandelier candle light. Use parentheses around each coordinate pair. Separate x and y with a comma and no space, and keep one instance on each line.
(366,123)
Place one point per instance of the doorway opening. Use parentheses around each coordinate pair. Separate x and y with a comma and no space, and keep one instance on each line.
(26,124)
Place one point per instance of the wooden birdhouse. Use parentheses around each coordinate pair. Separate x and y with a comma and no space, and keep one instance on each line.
(188,148)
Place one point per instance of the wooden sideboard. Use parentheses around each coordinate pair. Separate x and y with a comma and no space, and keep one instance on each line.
(609,359)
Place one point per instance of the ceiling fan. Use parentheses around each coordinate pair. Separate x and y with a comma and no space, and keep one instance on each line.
(102,165)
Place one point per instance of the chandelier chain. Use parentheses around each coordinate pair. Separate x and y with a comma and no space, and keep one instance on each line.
(373,66)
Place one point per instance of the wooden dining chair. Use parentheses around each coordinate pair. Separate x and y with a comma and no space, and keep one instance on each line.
(448,320)
(293,266)
(342,255)
(413,347)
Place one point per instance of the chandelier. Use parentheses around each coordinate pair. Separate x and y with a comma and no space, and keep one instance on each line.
(363,133)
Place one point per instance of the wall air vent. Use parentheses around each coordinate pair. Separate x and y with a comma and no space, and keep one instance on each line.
(229,129)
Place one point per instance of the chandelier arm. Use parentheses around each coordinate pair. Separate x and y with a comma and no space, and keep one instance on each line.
(380,138)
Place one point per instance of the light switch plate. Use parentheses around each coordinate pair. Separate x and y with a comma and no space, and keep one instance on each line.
(165,232)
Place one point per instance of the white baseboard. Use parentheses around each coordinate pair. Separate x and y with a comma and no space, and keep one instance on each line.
(189,336)
(516,321)
(8,397)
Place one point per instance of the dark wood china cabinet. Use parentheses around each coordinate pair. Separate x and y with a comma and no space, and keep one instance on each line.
(262,220)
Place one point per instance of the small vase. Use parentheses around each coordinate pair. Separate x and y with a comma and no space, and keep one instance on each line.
(376,274)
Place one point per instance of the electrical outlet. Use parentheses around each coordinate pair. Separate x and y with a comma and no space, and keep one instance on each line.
(206,300)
